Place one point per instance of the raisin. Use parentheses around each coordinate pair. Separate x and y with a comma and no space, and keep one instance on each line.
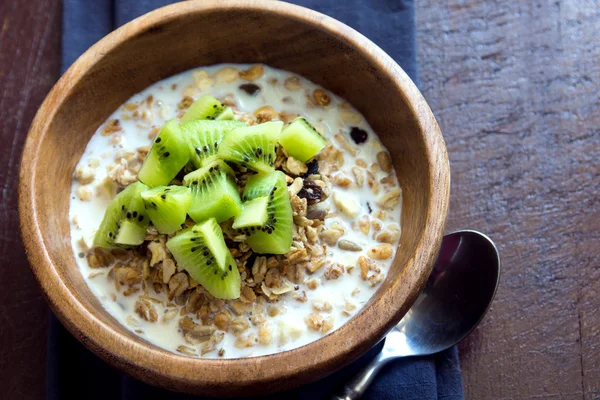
(358,135)
(313,168)
(250,88)
(310,191)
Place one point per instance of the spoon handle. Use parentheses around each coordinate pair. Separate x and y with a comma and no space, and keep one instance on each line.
(356,386)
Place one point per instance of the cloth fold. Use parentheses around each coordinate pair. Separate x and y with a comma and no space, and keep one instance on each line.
(74,372)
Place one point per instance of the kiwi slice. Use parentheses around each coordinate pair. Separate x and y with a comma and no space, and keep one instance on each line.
(206,107)
(274,236)
(252,146)
(301,140)
(167,206)
(204,138)
(214,192)
(125,220)
(202,252)
(168,155)
(254,213)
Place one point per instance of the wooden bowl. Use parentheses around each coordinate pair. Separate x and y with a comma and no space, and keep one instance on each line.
(192,34)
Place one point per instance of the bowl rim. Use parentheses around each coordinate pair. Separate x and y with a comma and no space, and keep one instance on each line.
(157,366)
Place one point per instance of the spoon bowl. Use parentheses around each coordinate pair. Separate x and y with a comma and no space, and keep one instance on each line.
(455,299)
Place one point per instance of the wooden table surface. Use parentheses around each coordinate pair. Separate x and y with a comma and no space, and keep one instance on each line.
(514,86)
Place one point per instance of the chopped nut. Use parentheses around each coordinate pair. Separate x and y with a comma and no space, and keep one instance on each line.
(83,193)
(265,335)
(348,245)
(327,324)
(381,252)
(366,265)
(299,206)
(252,73)
(85,174)
(321,97)
(364,224)
(391,199)
(314,321)
(246,341)
(168,269)
(295,167)
(195,301)
(265,114)
(301,297)
(126,275)
(348,206)
(226,75)
(334,271)
(384,161)
(159,252)
(202,79)
(292,83)
(295,256)
(322,306)
(316,264)
(295,187)
(376,225)
(312,283)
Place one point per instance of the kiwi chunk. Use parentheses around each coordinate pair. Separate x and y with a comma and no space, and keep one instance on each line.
(301,140)
(206,107)
(168,155)
(275,235)
(252,146)
(204,138)
(167,206)
(227,114)
(214,192)
(254,213)
(125,219)
(202,252)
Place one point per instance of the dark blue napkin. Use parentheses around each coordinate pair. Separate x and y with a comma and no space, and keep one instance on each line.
(74,372)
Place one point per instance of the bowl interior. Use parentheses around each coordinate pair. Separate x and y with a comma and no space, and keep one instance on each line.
(151,49)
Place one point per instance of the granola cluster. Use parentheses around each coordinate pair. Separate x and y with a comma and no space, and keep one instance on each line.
(166,292)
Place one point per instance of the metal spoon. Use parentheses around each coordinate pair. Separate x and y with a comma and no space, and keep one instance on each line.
(457,295)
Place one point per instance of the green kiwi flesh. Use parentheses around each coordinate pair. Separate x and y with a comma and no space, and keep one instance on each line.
(301,140)
(253,146)
(168,155)
(204,138)
(254,213)
(275,236)
(214,192)
(227,114)
(206,107)
(202,252)
(167,207)
(125,219)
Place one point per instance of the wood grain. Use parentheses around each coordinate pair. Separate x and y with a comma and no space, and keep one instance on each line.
(156,46)
(514,86)
(29,65)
